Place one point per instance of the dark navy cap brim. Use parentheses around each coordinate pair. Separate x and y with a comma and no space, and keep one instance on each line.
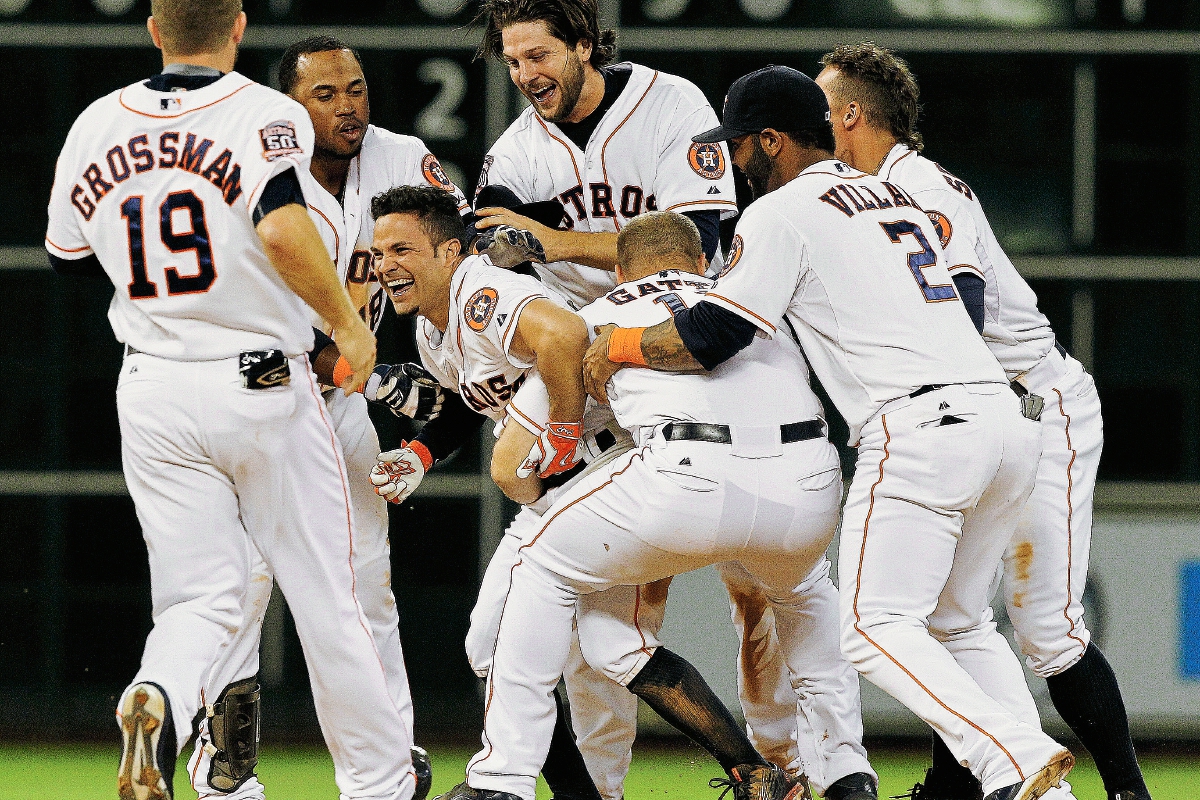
(718,134)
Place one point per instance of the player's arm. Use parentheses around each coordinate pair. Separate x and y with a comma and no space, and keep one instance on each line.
(555,339)
(508,454)
(295,249)
(598,249)
(700,337)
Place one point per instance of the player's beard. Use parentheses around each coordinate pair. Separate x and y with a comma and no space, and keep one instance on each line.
(758,170)
(570,85)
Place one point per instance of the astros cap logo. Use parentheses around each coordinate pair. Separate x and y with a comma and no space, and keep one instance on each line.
(435,174)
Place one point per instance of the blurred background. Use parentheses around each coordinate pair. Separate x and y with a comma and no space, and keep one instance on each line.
(1076,121)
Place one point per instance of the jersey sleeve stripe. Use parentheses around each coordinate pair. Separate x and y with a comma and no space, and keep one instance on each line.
(960,268)
(121,100)
(741,311)
(510,332)
(524,420)
(703,203)
(81,252)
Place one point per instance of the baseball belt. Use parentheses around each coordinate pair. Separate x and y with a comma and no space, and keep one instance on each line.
(720,434)
(260,369)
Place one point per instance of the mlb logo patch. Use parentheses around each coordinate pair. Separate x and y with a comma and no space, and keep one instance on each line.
(170,104)
(279,139)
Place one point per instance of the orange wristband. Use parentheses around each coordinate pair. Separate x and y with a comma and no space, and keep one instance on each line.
(625,346)
(422,453)
(341,371)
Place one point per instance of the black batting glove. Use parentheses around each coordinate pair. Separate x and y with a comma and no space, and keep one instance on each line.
(408,390)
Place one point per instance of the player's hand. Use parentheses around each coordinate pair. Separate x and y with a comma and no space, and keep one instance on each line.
(495,216)
(507,247)
(408,390)
(597,369)
(398,473)
(556,450)
(356,343)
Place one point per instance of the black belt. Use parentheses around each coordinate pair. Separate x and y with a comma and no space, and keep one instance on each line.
(1062,351)
(927,388)
(719,434)
(130,350)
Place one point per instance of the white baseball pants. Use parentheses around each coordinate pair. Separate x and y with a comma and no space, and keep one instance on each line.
(1045,567)
(930,512)
(217,471)
(373,586)
(810,722)
(666,508)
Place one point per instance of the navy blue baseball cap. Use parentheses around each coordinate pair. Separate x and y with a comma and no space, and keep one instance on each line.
(772,97)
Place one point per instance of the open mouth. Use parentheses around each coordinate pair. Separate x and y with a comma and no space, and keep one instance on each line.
(544,95)
(350,130)
(399,288)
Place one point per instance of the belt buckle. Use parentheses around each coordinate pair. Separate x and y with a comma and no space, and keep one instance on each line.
(263,369)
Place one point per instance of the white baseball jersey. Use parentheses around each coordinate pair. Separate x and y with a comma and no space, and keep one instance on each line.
(1017,333)
(641,157)
(854,266)
(646,398)
(155,207)
(385,160)
(473,357)
(326,214)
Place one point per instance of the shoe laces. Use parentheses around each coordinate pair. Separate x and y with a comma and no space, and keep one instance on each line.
(729,785)
(917,790)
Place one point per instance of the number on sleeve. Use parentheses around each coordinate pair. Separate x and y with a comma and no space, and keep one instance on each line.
(919,259)
(195,239)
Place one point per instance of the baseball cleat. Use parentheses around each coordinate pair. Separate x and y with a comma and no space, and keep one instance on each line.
(148,759)
(423,769)
(761,782)
(1038,783)
(855,786)
(464,792)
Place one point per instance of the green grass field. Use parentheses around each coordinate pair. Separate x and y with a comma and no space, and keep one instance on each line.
(88,772)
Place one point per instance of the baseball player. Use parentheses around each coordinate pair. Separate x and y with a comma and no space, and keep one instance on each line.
(874,100)
(695,492)
(851,266)
(326,77)
(494,335)
(186,190)
(608,142)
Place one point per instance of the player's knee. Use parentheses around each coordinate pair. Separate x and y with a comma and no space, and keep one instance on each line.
(479,651)
(621,664)
(1050,657)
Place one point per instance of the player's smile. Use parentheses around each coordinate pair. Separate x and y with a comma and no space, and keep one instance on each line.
(543,96)
(398,289)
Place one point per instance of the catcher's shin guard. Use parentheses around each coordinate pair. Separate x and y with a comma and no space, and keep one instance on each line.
(233,725)
(148,759)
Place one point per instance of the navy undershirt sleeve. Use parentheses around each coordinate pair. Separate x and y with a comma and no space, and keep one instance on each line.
(970,289)
(282,190)
(709,223)
(451,429)
(86,267)
(321,340)
(713,334)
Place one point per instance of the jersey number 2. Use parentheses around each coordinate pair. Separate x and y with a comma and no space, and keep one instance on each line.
(919,259)
(196,240)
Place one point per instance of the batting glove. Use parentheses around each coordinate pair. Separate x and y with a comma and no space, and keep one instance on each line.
(406,389)
(507,246)
(398,473)
(556,450)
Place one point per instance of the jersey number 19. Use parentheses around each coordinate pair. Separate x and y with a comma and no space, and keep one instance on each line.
(196,239)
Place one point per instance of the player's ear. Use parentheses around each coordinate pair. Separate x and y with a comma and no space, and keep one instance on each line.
(851,115)
(155,35)
(239,28)
(583,48)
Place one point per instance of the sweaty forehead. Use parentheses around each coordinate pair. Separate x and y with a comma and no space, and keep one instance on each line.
(330,67)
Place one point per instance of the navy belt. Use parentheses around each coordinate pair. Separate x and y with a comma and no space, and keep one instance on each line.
(719,434)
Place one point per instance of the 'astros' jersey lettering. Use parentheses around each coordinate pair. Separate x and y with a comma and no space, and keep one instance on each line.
(855,266)
(764,384)
(473,356)
(1017,333)
(640,158)
(385,160)
(161,187)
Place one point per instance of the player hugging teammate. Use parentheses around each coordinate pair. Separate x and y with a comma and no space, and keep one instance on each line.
(977,434)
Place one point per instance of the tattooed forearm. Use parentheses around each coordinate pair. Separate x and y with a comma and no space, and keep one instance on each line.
(663,349)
